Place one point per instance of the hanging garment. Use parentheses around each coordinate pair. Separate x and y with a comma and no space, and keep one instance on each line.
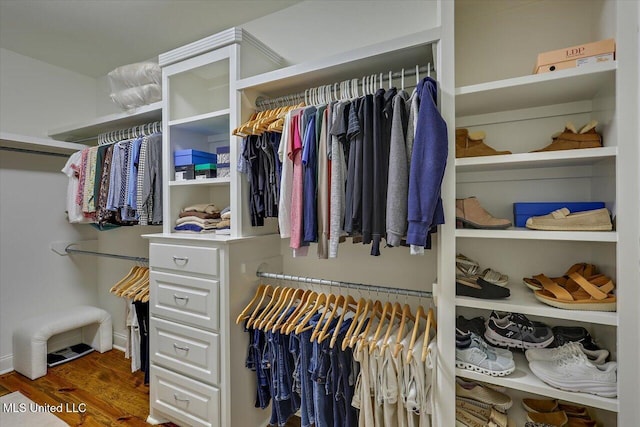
(152,180)
(286,178)
(71,170)
(338,175)
(323,184)
(428,161)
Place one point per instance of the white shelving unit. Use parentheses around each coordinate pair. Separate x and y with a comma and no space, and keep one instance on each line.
(46,145)
(520,114)
(90,129)
(523,379)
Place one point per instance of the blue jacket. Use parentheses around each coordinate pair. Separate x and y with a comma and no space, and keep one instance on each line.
(428,161)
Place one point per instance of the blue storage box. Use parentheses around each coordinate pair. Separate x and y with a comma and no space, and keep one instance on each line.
(223,154)
(192,157)
(525,210)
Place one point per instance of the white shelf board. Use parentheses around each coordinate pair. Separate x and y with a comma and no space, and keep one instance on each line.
(204,237)
(201,182)
(523,379)
(91,129)
(212,123)
(47,145)
(523,301)
(404,52)
(575,84)
(587,156)
(526,234)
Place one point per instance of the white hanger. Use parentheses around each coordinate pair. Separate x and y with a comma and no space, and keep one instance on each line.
(417,74)
(429,69)
(402,79)
(390,78)
(381,81)
(354,86)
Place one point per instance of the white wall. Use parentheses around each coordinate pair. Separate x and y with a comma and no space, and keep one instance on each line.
(37,96)
(319,28)
(33,280)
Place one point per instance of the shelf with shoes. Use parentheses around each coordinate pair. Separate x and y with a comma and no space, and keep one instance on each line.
(523,379)
(525,233)
(522,300)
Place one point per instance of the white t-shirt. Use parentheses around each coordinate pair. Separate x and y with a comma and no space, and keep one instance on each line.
(71,169)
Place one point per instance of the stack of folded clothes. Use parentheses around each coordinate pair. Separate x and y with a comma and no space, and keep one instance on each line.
(200,218)
(224,226)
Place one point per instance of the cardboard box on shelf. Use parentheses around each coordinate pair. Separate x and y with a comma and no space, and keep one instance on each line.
(576,56)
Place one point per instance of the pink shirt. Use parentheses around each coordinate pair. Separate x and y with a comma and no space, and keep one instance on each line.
(296,193)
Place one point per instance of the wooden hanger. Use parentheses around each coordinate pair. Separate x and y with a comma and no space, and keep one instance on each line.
(291,323)
(352,326)
(302,326)
(133,283)
(324,320)
(267,292)
(406,314)
(348,304)
(324,333)
(298,295)
(376,311)
(420,314)
(361,313)
(431,323)
(275,312)
(138,286)
(244,314)
(356,332)
(385,313)
(394,312)
(256,322)
(125,279)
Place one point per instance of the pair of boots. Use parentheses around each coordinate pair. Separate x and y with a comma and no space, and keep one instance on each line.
(571,139)
(471,214)
(471,144)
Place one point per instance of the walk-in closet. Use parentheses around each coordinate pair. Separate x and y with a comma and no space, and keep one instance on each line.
(304,212)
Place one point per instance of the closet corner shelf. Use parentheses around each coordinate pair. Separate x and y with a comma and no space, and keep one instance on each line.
(48,145)
(526,234)
(523,301)
(563,158)
(523,379)
(110,122)
(574,84)
(201,182)
(215,122)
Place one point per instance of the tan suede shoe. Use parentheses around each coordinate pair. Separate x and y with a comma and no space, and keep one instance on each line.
(470,214)
(570,139)
(471,144)
(557,418)
(564,220)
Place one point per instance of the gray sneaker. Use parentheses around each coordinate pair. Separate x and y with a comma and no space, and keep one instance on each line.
(479,357)
(516,331)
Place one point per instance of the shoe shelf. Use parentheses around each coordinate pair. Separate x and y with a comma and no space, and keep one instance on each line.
(566,158)
(201,182)
(571,85)
(525,233)
(216,122)
(523,379)
(523,301)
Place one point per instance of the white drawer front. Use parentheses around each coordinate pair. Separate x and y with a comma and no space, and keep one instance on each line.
(186,350)
(188,259)
(186,299)
(186,400)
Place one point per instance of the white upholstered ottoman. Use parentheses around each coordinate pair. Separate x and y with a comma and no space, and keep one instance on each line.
(30,338)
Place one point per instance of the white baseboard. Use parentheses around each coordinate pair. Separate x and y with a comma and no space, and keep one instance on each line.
(6,364)
(119,341)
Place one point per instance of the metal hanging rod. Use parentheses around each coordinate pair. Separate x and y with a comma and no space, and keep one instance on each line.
(376,79)
(128,133)
(102,254)
(349,285)
(28,151)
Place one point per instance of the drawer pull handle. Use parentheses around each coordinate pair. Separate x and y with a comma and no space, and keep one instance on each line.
(180,399)
(179,298)
(177,347)
(181,260)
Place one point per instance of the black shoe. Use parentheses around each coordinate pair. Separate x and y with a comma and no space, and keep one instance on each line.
(475,325)
(565,334)
(463,339)
(480,288)
(517,331)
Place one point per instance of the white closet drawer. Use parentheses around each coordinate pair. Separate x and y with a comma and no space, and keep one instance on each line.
(188,259)
(185,299)
(186,350)
(188,401)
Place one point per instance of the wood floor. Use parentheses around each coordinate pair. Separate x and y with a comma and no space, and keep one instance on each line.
(103,382)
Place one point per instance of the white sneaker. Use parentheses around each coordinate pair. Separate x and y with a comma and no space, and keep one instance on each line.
(576,373)
(480,358)
(597,357)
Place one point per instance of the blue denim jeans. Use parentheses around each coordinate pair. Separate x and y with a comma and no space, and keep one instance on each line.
(320,375)
(302,349)
(344,415)
(254,362)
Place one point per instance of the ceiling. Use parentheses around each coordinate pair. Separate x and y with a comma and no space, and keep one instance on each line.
(92,37)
